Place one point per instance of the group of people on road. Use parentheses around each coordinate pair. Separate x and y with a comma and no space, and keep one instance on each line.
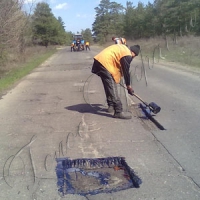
(110,65)
(82,43)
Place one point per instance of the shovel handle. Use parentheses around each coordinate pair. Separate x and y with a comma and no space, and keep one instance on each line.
(140,99)
(152,106)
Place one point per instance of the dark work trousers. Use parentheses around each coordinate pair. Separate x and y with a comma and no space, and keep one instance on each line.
(110,87)
(87,47)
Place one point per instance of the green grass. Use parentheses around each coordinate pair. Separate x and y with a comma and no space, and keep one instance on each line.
(16,74)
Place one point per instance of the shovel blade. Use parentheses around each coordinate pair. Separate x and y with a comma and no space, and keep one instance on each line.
(154,107)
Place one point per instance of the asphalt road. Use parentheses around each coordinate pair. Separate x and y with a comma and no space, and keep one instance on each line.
(176,89)
(58,111)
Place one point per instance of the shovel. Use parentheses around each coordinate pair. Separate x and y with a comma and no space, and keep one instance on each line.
(152,106)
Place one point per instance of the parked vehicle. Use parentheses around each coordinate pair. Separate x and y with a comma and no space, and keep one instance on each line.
(79,43)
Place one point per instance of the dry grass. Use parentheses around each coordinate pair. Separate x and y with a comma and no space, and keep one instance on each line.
(18,67)
(186,51)
(15,60)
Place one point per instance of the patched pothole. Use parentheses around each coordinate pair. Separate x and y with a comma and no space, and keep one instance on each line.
(93,176)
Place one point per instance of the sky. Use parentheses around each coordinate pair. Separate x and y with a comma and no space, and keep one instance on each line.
(79,15)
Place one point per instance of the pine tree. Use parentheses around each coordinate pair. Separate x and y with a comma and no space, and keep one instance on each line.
(46,28)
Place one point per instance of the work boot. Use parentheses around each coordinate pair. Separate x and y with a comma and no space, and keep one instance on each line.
(110,109)
(122,115)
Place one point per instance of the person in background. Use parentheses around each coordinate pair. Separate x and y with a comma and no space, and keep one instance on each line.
(82,41)
(82,44)
(110,65)
(119,40)
(78,43)
(87,46)
(72,46)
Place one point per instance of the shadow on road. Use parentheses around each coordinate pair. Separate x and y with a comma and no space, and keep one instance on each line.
(89,108)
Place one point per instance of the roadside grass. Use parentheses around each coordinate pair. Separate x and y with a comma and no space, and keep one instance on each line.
(21,70)
(185,52)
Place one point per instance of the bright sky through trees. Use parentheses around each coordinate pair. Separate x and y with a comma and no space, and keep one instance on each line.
(80,14)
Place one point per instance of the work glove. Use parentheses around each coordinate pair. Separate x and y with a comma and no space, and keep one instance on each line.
(130,91)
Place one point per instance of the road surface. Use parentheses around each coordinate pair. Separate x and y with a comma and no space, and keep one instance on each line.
(58,111)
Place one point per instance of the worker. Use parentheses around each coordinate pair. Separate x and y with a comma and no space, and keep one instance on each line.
(87,46)
(111,64)
(72,46)
(119,40)
(82,44)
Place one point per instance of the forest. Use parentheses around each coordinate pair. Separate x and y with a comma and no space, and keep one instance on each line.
(162,18)
(21,29)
